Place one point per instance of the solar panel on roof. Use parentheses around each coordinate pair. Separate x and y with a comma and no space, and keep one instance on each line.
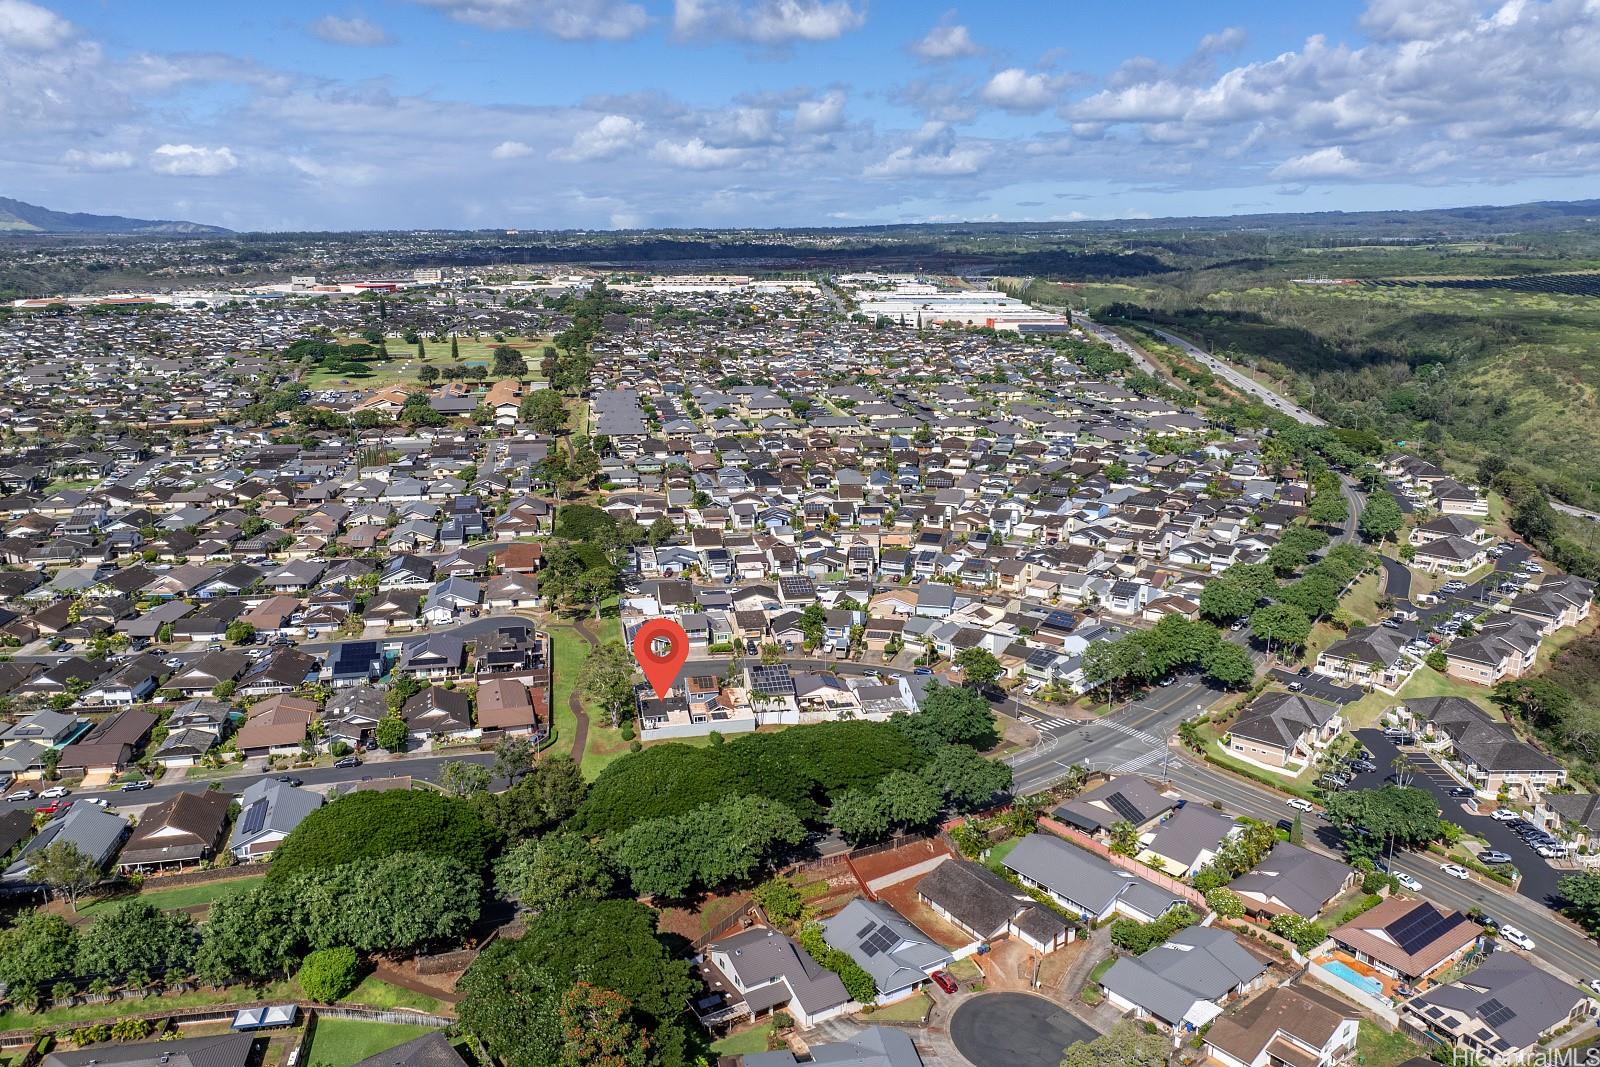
(1124,807)
(1422,927)
(865,930)
(255,817)
(1495,1013)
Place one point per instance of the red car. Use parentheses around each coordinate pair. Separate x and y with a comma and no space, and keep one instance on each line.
(53,807)
(943,980)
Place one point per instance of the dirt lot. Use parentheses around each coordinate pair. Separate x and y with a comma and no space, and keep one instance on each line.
(871,868)
(903,898)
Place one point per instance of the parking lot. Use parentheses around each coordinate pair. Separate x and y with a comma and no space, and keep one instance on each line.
(1315,685)
(1538,877)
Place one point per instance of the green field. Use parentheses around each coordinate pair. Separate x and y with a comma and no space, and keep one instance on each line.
(342,1042)
(181,897)
(402,367)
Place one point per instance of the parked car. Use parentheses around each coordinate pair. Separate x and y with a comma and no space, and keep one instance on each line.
(52,807)
(1408,882)
(943,980)
(1455,870)
(1494,858)
(1516,937)
(924,671)
(1295,687)
(56,792)
(21,795)
(1551,852)
(1503,815)
(290,779)
(347,761)
(141,784)
(1363,766)
(1461,792)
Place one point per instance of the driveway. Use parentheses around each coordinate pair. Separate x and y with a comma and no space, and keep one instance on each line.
(1538,877)
(1396,578)
(1015,1030)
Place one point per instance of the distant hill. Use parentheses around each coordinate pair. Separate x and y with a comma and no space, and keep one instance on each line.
(18,217)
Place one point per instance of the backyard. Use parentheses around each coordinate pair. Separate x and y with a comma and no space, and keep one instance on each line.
(342,1042)
(179,897)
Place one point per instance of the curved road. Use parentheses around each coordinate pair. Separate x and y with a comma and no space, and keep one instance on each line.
(1239,380)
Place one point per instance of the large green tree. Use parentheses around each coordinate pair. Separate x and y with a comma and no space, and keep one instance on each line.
(708,847)
(374,824)
(950,715)
(1280,625)
(1381,518)
(1370,818)
(137,936)
(966,779)
(1580,897)
(979,667)
(608,677)
(543,798)
(542,874)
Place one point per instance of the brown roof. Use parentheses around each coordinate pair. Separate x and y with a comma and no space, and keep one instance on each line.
(129,727)
(1248,1028)
(1370,933)
(283,702)
(520,556)
(504,702)
(283,722)
(186,825)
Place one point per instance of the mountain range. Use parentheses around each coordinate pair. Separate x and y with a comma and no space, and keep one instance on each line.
(19,217)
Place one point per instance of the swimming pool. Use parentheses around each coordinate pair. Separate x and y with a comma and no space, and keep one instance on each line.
(1341,969)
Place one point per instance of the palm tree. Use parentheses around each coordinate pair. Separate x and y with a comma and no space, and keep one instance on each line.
(1404,771)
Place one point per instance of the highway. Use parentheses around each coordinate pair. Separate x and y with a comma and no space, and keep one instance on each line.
(1239,380)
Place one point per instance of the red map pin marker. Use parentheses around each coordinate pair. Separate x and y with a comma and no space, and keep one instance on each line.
(662,670)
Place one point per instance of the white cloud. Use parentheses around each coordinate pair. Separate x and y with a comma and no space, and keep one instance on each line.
(767,22)
(820,115)
(1321,164)
(946,41)
(572,20)
(193,160)
(908,161)
(341,174)
(610,135)
(355,31)
(82,159)
(695,154)
(32,28)
(1014,89)
(511,150)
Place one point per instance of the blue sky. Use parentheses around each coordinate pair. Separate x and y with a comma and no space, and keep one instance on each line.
(643,113)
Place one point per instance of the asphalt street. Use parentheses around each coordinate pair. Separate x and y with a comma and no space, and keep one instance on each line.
(1396,578)
(1239,380)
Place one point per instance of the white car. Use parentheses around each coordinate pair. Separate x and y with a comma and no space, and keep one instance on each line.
(99,802)
(1302,804)
(1502,815)
(1516,937)
(1455,870)
(21,794)
(1408,882)
(55,792)
(1594,984)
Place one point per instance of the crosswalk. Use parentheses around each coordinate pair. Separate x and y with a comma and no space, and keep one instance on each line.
(1056,723)
(1139,763)
(1124,728)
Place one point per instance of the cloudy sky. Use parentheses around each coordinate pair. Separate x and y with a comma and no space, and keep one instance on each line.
(630,113)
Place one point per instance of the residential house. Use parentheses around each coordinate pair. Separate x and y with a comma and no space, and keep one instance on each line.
(437,711)
(1182,984)
(1501,1011)
(1287,1026)
(433,657)
(1188,840)
(770,971)
(1084,883)
(1293,880)
(96,832)
(1506,646)
(886,945)
(1490,755)
(1412,940)
(185,828)
(269,811)
(1368,656)
(278,725)
(875,1046)
(507,706)
(1126,798)
(1558,602)
(987,907)
(1283,731)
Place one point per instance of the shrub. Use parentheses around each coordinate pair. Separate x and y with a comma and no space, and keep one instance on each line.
(328,974)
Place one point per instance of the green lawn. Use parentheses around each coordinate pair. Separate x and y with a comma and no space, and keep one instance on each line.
(180,897)
(1376,1047)
(744,1043)
(911,1009)
(201,998)
(999,852)
(376,993)
(342,1042)
(1425,682)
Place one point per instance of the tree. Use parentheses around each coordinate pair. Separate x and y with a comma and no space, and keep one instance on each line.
(950,715)
(708,847)
(661,531)
(1297,831)
(392,732)
(1225,902)
(545,873)
(859,816)
(1124,838)
(240,632)
(39,950)
(1126,1044)
(979,667)
(1226,598)
(329,974)
(607,678)
(1382,518)
(965,778)
(66,868)
(909,799)
(508,363)
(543,798)
(1280,624)
(1328,508)
(544,410)
(464,778)
(1580,895)
(136,936)
(1229,665)
(375,824)
(512,1006)
(1305,934)
(513,758)
(599,1030)
(857,982)
(427,374)
(780,900)
(1369,818)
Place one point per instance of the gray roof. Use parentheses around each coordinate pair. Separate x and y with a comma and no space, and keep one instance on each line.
(429,1050)
(1510,996)
(1198,963)
(95,831)
(884,943)
(760,955)
(218,1050)
(1281,719)
(978,898)
(876,1046)
(1127,797)
(282,807)
(1194,829)
(1088,881)
(1301,880)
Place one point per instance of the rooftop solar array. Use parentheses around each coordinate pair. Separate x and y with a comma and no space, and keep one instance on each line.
(1421,927)
(772,680)
(880,940)
(1124,807)
(1495,1013)
(255,817)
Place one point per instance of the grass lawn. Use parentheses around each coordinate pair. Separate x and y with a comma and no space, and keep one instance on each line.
(200,998)
(744,1043)
(965,969)
(1090,993)
(402,366)
(911,1009)
(999,852)
(186,896)
(1298,785)
(1376,1047)
(568,651)
(376,993)
(342,1042)
(1424,682)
